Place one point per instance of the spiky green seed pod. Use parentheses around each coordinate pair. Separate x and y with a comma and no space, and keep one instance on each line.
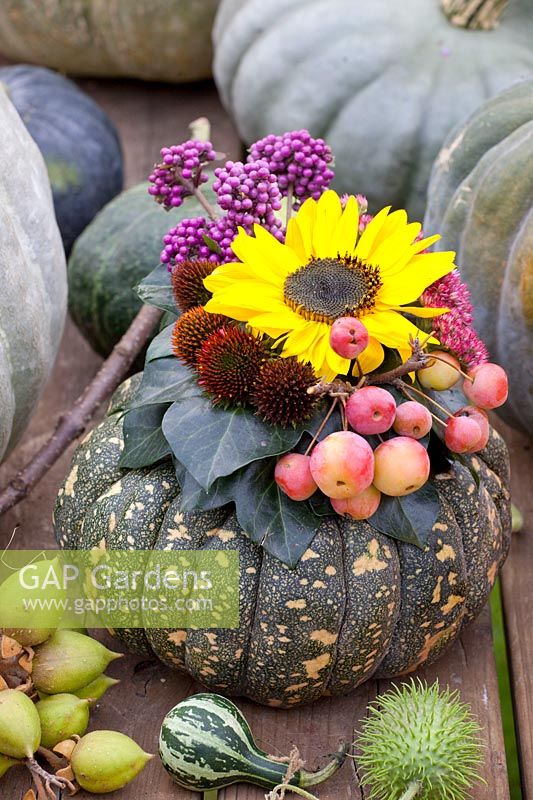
(96,689)
(62,716)
(68,661)
(104,761)
(20,727)
(419,742)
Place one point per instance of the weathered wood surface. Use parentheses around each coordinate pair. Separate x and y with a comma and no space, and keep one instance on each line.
(517,591)
(149,116)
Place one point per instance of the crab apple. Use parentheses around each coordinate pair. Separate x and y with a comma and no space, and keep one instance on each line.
(439,375)
(463,434)
(371,410)
(362,506)
(401,466)
(487,386)
(348,337)
(293,476)
(482,420)
(412,419)
(342,465)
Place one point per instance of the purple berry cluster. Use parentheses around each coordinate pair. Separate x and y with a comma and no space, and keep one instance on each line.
(186,241)
(249,193)
(298,160)
(182,163)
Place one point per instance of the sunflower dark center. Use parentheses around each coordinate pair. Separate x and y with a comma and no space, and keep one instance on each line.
(328,288)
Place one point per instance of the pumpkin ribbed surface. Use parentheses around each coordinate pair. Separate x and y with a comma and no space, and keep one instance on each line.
(358,604)
(33,292)
(162,40)
(481,200)
(383,82)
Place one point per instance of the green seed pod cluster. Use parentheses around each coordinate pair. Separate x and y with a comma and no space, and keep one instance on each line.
(66,672)
(419,742)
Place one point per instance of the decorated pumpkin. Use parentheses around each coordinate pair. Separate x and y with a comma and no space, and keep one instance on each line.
(114,253)
(161,40)
(481,199)
(383,82)
(79,143)
(294,410)
(33,295)
(357,605)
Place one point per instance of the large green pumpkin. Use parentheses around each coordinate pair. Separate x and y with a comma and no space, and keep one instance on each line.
(33,291)
(117,250)
(161,40)
(481,200)
(383,82)
(59,116)
(358,604)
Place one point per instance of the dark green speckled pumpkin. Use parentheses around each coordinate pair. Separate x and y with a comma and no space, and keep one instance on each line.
(358,605)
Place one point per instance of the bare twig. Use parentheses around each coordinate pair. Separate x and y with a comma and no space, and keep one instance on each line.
(75,421)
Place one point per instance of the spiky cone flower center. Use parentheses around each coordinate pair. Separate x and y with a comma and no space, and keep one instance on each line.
(228,364)
(188,283)
(280,392)
(192,329)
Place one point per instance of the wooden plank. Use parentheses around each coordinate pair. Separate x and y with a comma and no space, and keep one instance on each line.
(517,592)
(149,116)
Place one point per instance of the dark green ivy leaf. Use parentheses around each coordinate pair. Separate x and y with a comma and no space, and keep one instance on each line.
(164,381)
(144,443)
(411,518)
(161,345)
(156,289)
(212,442)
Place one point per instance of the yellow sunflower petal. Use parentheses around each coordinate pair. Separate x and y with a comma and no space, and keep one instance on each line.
(390,328)
(282,319)
(423,270)
(244,298)
(346,229)
(226,275)
(365,243)
(401,242)
(395,221)
(301,338)
(265,257)
(425,312)
(371,357)
(337,364)
(328,213)
(305,220)
(295,240)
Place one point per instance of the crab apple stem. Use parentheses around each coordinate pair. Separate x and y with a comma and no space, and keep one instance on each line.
(422,394)
(290,197)
(460,371)
(322,425)
(412,790)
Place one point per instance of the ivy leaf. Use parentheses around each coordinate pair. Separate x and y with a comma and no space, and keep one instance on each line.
(144,443)
(212,442)
(321,505)
(283,527)
(194,498)
(409,519)
(156,289)
(161,345)
(164,381)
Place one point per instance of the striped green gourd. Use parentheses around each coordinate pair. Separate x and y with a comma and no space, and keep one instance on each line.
(206,744)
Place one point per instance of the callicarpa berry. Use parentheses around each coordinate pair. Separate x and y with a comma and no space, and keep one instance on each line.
(179,162)
(249,193)
(297,160)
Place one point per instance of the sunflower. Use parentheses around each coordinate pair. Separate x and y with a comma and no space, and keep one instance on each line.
(294,292)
